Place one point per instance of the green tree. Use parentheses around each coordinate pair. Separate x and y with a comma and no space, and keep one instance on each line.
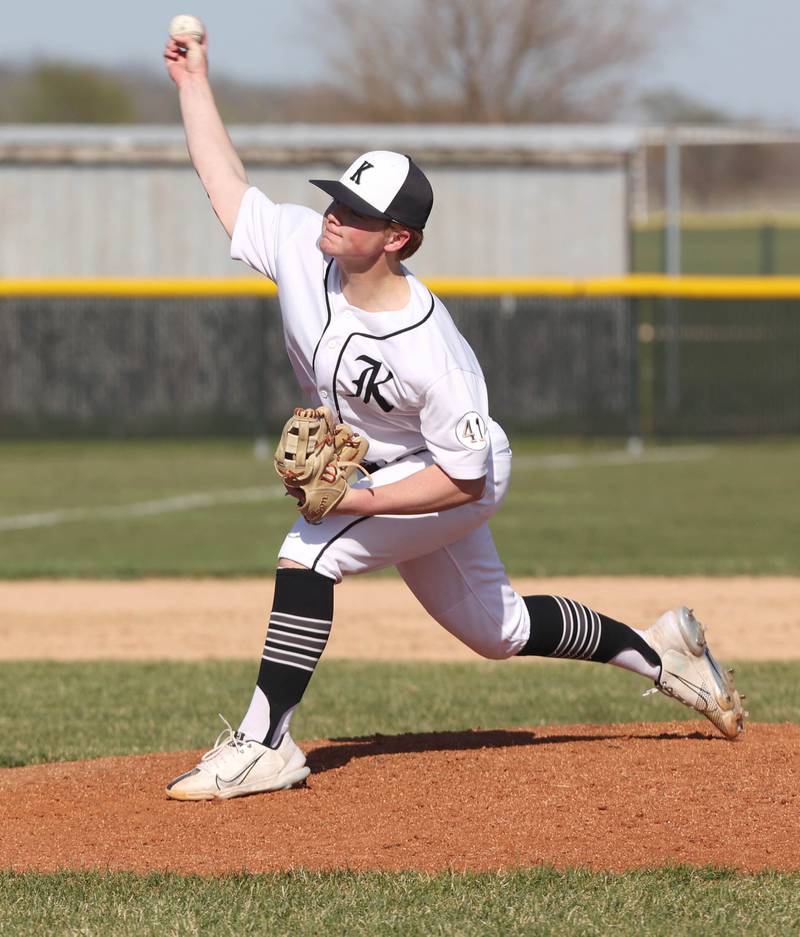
(61,92)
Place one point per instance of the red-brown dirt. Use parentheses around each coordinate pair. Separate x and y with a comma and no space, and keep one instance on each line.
(602,797)
(610,798)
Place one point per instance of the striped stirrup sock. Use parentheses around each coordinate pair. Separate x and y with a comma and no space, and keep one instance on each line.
(295,640)
(299,627)
(564,628)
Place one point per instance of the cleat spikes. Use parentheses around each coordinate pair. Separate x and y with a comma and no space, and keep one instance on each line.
(690,673)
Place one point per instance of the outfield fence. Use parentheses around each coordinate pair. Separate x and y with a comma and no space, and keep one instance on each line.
(636,356)
(722,245)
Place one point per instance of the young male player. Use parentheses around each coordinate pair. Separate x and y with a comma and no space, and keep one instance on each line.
(370,341)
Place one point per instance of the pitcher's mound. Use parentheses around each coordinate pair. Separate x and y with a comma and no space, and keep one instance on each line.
(604,797)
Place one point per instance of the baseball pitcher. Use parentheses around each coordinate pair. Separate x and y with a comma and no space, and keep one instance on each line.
(394,458)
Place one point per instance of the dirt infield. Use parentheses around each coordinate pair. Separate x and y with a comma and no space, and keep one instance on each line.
(749,618)
(603,797)
(606,798)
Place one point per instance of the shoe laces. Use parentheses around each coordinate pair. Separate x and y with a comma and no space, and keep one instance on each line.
(228,742)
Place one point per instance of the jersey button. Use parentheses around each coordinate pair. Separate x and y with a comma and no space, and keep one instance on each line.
(332,345)
(323,394)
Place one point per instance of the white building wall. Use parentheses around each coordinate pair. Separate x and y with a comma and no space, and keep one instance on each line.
(153,219)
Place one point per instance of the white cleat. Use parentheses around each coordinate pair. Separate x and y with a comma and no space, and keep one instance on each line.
(691,674)
(236,766)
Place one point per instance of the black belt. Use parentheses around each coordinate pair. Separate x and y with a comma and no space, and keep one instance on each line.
(374,466)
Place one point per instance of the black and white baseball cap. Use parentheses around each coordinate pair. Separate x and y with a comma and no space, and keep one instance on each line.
(382,184)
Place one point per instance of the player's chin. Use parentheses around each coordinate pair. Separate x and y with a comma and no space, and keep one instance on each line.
(328,244)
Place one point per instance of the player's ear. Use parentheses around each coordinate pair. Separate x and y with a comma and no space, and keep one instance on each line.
(396,238)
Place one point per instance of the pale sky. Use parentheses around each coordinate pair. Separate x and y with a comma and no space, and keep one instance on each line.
(740,55)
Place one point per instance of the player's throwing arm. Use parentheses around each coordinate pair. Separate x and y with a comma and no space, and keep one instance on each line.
(210,148)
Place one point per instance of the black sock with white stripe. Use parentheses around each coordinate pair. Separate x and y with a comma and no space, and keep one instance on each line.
(564,628)
(299,627)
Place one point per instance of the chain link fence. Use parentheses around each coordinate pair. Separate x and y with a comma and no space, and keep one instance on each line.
(560,365)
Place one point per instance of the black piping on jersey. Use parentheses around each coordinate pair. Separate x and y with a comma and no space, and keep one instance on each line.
(377,338)
(375,466)
(328,307)
(343,531)
(358,520)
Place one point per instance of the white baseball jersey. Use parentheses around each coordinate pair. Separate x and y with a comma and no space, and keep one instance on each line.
(406,378)
(409,381)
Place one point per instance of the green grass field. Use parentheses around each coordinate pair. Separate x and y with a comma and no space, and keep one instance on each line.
(724,251)
(541,901)
(130,508)
(209,508)
(49,711)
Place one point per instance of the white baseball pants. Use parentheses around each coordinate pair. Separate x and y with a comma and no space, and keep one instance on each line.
(447,559)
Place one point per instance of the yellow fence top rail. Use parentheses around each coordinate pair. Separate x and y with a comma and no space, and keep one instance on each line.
(244,286)
(694,287)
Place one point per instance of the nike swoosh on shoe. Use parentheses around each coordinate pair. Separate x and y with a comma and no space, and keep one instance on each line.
(701,691)
(225,783)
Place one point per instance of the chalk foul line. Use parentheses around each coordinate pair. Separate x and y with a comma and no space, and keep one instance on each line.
(208,499)
(187,502)
(568,460)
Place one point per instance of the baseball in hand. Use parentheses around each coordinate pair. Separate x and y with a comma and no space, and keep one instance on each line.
(184,24)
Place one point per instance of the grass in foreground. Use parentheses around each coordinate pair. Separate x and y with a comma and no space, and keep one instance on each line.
(52,711)
(532,902)
(704,510)
(70,711)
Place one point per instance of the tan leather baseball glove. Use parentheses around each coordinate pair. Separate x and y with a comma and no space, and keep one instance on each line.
(315,457)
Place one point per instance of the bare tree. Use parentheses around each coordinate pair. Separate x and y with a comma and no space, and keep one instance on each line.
(485,60)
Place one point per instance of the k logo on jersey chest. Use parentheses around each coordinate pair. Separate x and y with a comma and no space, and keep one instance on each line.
(368,384)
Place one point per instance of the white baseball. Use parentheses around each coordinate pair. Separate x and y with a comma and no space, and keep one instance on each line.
(184,24)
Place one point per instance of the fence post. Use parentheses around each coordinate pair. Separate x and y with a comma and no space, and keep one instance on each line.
(635,429)
(672,206)
(647,336)
(767,249)
(672,186)
(261,446)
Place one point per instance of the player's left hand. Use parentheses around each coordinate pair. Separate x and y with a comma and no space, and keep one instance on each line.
(315,457)
(297,493)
